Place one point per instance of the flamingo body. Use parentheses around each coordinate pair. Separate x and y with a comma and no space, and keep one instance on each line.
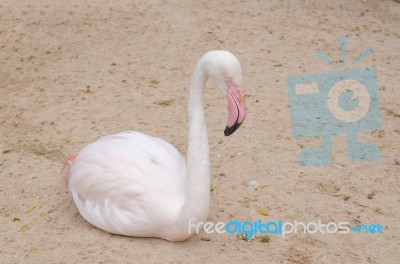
(108,193)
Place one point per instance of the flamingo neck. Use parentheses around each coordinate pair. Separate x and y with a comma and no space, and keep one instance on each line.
(198,161)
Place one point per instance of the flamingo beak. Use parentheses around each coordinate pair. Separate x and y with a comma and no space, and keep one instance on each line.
(236,107)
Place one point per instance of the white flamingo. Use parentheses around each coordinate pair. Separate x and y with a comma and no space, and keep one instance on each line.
(137,185)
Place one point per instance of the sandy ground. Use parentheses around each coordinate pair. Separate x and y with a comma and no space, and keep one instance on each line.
(73,71)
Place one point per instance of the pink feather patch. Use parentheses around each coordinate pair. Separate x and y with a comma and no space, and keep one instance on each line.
(67,165)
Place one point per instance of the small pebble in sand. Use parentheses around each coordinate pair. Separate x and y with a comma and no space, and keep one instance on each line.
(253,184)
(264,239)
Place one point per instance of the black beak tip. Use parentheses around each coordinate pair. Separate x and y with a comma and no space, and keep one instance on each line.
(230,130)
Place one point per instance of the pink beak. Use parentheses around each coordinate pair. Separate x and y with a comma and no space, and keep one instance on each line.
(236,107)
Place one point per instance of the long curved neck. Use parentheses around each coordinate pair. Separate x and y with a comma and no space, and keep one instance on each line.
(198,161)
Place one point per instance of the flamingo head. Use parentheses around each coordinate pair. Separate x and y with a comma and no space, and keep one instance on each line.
(226,72)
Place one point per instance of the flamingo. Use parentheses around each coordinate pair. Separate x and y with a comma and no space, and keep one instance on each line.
(133,184)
